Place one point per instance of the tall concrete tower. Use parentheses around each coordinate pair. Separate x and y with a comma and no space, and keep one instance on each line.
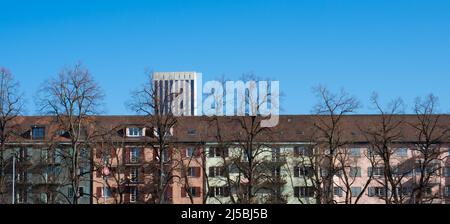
(171,84)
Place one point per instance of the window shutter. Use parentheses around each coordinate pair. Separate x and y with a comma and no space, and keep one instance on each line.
(296,171)
(127,155)
(183,192)
(170,152)
(369,171)
(226,191)
(297,192)
(211,172)
(211,192)
(99,192)
(211,152)
(98,153)
(197,171)
(141,175)
(113,153)
(197,191)
(141,155)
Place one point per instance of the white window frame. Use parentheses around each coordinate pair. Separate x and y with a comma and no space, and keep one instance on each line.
(134,155)
(352,154)
(133,194)
(403,154)
(135,132)
(194,150)
(134,174)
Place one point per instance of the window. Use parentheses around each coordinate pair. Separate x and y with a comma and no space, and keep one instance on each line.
(303,192)
(43,197)
(303,171)
(302,151)
(405,191)
(401,152)
(44,156)
(21,195)
(133,194)
(23,154)
(376,171)
(355,152)
(81,191)
(106,192)
(134,155)
(70,193)
(377,191)
(323,172)
(337,191)
(193,191)
(218,152)
(218,192)
(134,173)
(37,133)
(191,131)
(433,167)
(191,152)
(233,168)
(276,172)
(276,155)
(22,176)
(356,191)
(165,155)
(134,132)
(447,191)
(355,171)
(447,171)
(193,172)
(84,153)
(216,171)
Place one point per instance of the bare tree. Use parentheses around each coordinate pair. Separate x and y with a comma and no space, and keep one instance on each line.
(11,106)
(73,97)
(155,106)
(384,136)
(330,141)
(431,133)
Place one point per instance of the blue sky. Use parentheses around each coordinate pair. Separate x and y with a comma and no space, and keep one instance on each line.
(394,47)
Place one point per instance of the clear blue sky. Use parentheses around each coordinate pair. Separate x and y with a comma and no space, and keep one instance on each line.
(395,47)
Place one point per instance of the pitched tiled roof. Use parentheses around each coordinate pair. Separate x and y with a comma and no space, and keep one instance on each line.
(291,128)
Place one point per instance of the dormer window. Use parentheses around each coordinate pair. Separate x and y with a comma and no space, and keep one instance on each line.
(37,133)
(192,131)
(134,132)
(168,133)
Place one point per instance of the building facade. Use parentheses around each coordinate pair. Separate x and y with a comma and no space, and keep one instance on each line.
(204,163)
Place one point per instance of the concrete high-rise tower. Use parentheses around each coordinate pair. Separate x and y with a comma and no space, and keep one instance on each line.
(184,83)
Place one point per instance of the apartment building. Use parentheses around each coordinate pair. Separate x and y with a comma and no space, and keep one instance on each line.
(212,160)
(38,155)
